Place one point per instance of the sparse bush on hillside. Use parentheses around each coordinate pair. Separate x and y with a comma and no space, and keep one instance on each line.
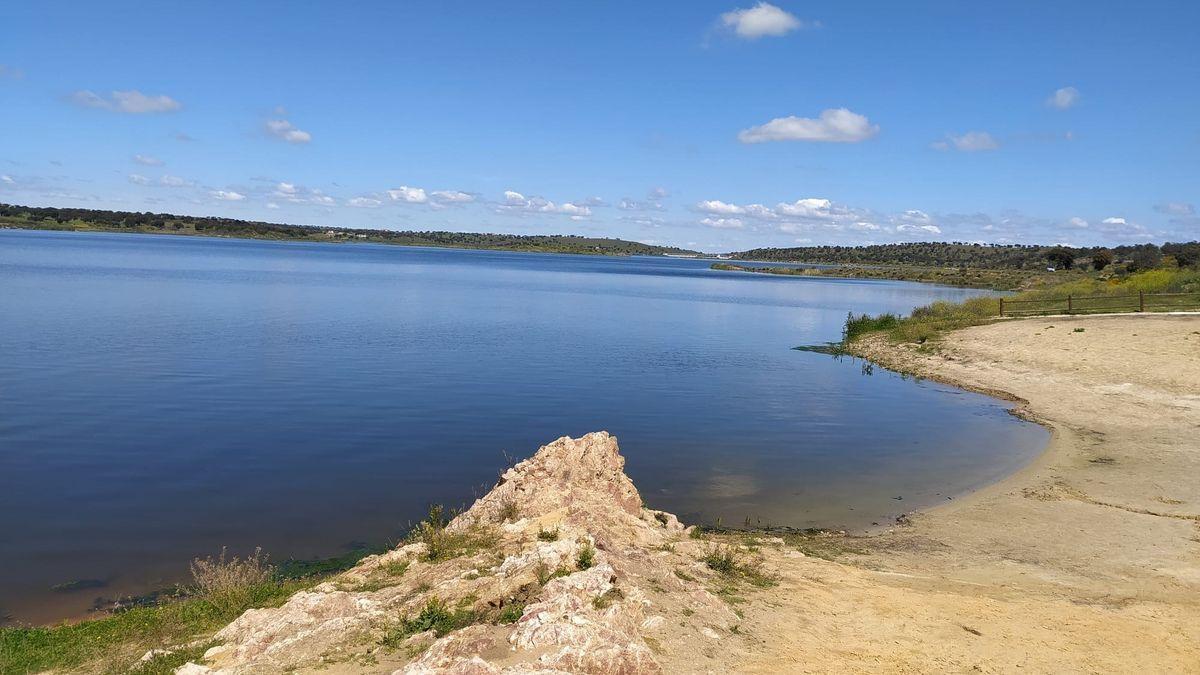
(229,581)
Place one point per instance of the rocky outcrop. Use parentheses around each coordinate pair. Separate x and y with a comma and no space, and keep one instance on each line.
(560,568)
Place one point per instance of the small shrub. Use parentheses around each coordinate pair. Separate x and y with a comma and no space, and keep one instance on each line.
(547,535)
(229,582)
(435,616)
(722,559)
(395,568)
(511,613)
(509,511)
(544,574)
(442,545)
(586,557)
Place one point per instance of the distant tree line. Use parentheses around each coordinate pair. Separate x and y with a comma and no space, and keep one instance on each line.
(133,221)
(986,256)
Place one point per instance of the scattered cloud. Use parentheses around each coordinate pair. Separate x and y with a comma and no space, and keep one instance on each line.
(133,102)
(166,180)
(718,207)
(147,160)
(272,205)
(652,202)
(724,223)
(286,131)
(910,228)
(227,195)
(1063,98)
(516,203)
(972,141)
(452,197)
(1077,223)
(7,179)
(835,125)
(364,202)
(408,195)
(761,20)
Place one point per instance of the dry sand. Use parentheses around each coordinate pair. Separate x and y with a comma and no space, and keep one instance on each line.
(1088,560)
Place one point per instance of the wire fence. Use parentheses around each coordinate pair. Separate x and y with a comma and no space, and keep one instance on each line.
(1102,304)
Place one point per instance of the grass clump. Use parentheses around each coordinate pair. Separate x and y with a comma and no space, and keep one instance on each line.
(509,511)
(547,535)
(605,600)
(544,573)
(435,616)
(441,544)
(511,613)
(729,562)
(229,582)
(586,557)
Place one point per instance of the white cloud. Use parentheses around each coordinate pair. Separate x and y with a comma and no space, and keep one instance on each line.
(173,181)
(835,125)
(138,179)
(1114,221)
(724,223)
(1063,98)
(408,195)
(452,196)
(318,197)
(909,228)
(227,195)
(517,203)
(761,20)
(972,141)
(272,205)
(285,130)
(1077,223)
(719,207)
(147,160)
(285,188)
(133,102)
(364,202)
(7,179)
(806,208)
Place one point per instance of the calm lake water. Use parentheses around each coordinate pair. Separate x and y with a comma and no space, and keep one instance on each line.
(161,397)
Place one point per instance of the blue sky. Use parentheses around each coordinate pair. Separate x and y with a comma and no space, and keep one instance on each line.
(711,125)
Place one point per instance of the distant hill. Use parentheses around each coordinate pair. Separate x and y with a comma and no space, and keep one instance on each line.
(52,218)
(946,254)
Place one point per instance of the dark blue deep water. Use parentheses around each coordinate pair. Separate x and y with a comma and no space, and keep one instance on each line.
(161,397)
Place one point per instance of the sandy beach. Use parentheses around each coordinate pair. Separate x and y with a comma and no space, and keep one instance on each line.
(1088,560)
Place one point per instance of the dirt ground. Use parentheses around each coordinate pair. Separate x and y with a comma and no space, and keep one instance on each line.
(1088,560)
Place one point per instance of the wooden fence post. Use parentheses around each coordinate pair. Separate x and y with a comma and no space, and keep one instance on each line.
(1070,308)
(1141,301)
(1001,306)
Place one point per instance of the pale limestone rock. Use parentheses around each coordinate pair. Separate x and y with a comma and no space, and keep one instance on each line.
(588,621)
